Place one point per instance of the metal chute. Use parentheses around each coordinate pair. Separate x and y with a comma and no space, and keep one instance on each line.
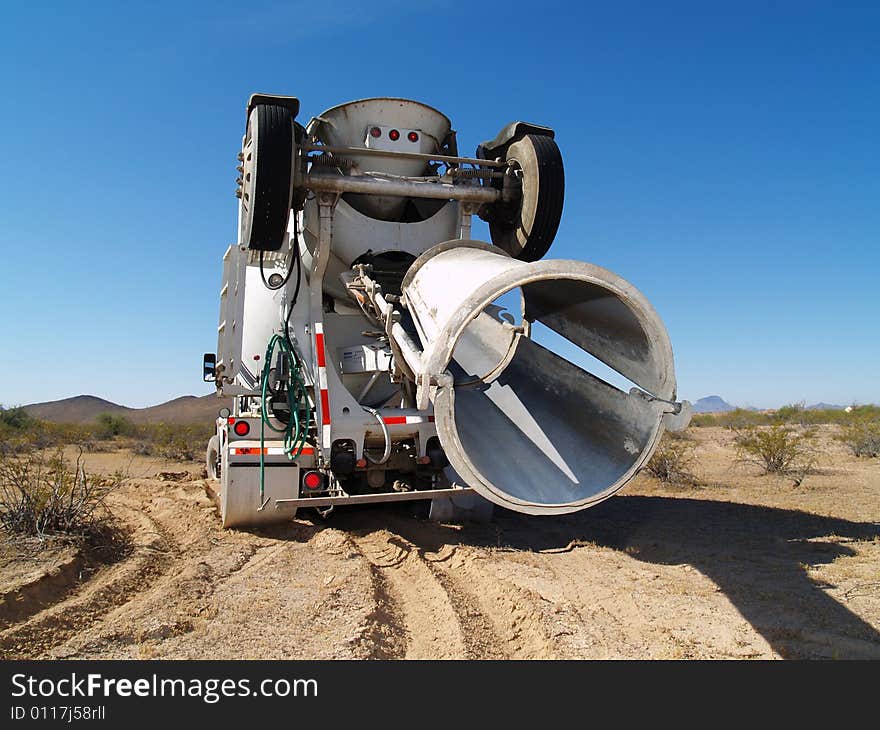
(526,428)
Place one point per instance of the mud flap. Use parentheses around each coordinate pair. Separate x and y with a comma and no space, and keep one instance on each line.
(468,507)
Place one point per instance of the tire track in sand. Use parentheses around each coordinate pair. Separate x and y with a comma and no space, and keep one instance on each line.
(499,619)
(417,602)
(110,588)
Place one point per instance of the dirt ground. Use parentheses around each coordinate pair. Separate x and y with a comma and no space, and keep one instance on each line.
(744,566)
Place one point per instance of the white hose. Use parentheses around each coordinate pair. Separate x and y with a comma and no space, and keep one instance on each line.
(385,433)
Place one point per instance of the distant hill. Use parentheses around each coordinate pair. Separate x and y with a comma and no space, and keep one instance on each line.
(712,404)
(824,407)
(85,408)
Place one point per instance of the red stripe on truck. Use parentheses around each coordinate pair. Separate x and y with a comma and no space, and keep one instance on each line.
(319,345)
(255,451)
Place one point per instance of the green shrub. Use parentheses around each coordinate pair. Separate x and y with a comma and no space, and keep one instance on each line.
(862,436)
(178,442)
(795,414)
(110,426)
(15,418)
(183,442)
(738,418)
(777,449)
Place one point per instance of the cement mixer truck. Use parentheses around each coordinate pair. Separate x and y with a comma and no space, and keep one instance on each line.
(375,352)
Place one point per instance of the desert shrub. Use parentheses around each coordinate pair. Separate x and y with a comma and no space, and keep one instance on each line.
(143,448)
(738,418)
(37,435)
(15,418)
(183,442)
(792,413)
(862,436)
(795,414)
(777,449)
(178,442)
(42,495)
(109,425)
(673,460)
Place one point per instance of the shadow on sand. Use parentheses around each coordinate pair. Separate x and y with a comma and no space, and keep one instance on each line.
(756,555)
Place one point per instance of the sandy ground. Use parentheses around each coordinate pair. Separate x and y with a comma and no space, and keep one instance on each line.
(745,566)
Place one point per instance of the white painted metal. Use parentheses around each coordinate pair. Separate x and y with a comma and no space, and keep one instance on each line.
(347,125)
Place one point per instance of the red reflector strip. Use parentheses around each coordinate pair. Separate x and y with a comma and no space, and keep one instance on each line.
(398,420)
(322,383)
(319,344)
(271,451)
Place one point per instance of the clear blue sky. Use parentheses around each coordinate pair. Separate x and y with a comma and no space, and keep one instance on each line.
(724,157)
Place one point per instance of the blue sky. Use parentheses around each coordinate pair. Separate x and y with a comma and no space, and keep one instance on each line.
(723,157)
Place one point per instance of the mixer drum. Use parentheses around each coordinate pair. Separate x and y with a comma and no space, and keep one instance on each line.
(347,125)
(526,428)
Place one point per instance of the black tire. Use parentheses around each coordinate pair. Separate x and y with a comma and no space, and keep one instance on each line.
(526,229)
(267,177)
(212,458)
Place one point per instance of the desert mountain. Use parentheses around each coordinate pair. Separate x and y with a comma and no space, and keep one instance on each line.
(712,404)
(85,408)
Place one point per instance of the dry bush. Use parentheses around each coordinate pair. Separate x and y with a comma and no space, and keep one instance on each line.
(43,496)
(862,436)
(737,418)
(177,442)
(673,460)
(777,450)
(22,434)
(793,414)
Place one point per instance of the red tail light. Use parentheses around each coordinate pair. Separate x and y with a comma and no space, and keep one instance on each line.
(394,135)
(413,137)
(241,428)
(313,479)
(375,132)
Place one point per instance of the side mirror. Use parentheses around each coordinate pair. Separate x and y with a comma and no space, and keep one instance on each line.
(209,363)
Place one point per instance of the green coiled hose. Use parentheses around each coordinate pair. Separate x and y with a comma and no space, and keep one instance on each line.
(296,430)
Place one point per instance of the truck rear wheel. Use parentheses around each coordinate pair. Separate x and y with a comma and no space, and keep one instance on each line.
(267,177)
(212,458)
(525,229)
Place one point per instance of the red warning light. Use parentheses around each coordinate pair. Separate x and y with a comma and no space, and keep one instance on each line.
(413,136)
(394,135)
(375,132)
(242,428)
(313,479)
